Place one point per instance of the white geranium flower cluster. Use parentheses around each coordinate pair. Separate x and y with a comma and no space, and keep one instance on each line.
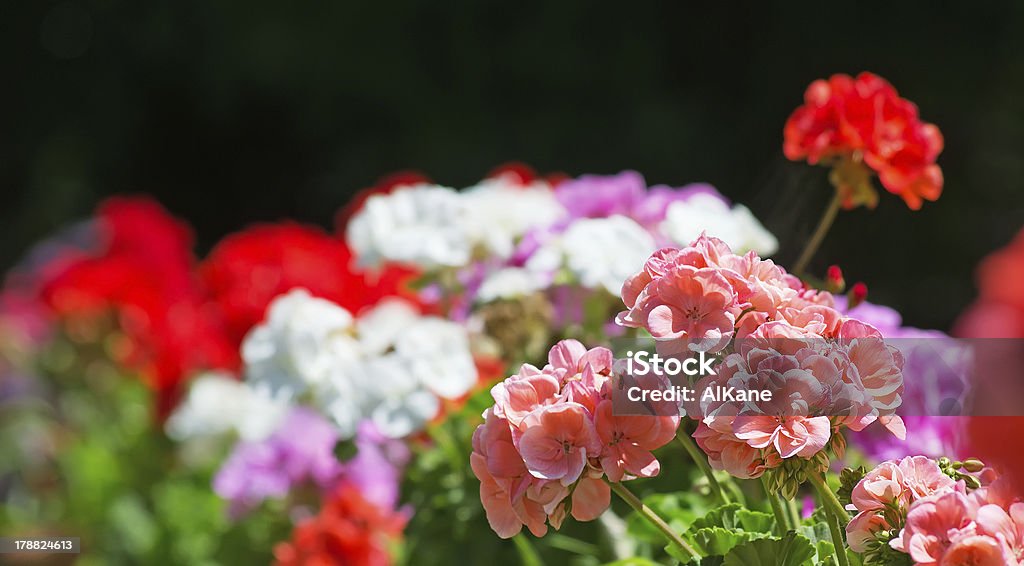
(218,403)
(598,252)
(430,226)
(390,366)
(736,226)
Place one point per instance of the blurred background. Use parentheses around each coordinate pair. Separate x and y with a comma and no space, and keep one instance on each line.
(236,112)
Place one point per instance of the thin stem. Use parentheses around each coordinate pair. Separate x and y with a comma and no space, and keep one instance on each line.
(833,512)
(649,514)
(819,234)
(701,459)
(781,518)
(794,514)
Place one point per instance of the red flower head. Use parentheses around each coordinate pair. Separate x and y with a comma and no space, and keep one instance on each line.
(996,431)
(349,530)
(142,273)
(862,126)
(248,269)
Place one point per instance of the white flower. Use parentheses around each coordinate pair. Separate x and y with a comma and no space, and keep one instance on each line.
(511,282)
(379,326)
(685,220)
(598,252)
(389,366)
(303,340)
(218,404)
(500,212)
(437,354)
(422,225)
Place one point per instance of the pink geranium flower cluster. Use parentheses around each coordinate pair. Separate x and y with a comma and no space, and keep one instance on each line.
(944,522)
(885,493)
(826,370)
(551,437)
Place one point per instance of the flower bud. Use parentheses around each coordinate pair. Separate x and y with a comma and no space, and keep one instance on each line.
(971,481)
(857,294)
(973,465)
(834,281)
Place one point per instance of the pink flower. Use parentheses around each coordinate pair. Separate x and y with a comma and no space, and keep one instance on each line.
(1005,527)
(551,437)
(524,392)
(934,524)
(789,436)
(881,486)
(892,487)
(862,529)
(686,309)
(556,441)
(977,550)
(628,440)
(726,452)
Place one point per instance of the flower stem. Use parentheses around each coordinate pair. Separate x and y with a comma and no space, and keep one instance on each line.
(701,459)
(819,234)
(782,523)
(649,514)
(834,512)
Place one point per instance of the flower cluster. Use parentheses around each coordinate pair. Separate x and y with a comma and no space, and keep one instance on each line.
(248,269)
(550,438)
(141,270)
(937,513)
(311,350)
(348,530)
(861,125)
(936,373)
(827,370)
(595,228)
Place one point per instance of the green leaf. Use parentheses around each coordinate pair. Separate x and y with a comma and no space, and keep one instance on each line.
(677,509)
(791,550)
(821,538)
(735,516)
(718,541)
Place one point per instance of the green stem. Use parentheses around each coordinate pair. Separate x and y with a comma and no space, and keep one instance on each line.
(781,518)
(834,512)
(701,459)
(527,554)
(649,514)
(795,516)
(819,234)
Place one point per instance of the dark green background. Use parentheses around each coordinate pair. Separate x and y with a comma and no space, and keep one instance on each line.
(233,112)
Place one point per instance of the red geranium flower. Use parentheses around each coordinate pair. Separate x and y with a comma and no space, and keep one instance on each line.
(852,123)
(995,432)
(349,530)
(142,273)
(246,270)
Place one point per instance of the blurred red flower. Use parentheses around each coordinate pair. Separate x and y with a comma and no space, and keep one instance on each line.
(850,123)
(349,530)
(246,270)
(142,272)
(999,309)
(995,432)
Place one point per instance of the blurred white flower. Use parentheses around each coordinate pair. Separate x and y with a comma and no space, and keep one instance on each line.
(422,225)
(511,282)
(685,220)
(598,252)
(500,212)
(389,366)
(302,341)
(217,403)
(378,326)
